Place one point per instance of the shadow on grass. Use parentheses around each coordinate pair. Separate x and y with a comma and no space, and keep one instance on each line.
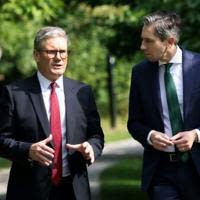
(122,180)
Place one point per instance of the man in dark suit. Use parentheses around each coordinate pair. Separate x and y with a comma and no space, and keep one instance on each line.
(166,174)
(49,127)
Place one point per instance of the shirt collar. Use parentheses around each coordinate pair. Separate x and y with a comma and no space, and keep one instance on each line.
(45,83)
(177,58)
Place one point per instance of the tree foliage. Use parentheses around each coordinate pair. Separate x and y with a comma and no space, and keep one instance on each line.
(20,19)
(96,29)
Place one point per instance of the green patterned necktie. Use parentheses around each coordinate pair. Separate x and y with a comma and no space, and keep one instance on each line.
(173,107)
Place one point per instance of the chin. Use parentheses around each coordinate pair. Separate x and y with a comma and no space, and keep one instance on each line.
(152,59)
(58,72)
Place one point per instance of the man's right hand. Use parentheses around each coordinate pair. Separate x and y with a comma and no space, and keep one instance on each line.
(41,152)
(160,141)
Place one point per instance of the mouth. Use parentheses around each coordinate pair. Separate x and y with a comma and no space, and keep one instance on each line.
(57,66)
(147,55)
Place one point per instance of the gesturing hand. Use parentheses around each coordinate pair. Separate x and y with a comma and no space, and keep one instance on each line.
(84,148)
(42,153)
(160,141)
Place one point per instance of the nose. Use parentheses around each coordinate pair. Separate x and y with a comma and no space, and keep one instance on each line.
(57,55)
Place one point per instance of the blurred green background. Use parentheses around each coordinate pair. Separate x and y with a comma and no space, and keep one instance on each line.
(96,28)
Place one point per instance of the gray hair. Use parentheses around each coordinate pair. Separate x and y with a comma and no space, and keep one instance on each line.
(165,24)
(46,33)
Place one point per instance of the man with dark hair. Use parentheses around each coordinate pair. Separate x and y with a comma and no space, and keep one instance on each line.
(49,127)
(164,111)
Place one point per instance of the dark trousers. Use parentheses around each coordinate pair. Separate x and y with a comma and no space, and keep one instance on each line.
(63,191)
(175,180)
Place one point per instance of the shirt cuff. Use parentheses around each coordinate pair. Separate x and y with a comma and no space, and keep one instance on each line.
(149,136)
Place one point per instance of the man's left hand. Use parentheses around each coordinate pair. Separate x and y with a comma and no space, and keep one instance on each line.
(84,148)
(184,140)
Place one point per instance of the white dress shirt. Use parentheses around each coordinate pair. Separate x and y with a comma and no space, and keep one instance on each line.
(46,91)
(177,75)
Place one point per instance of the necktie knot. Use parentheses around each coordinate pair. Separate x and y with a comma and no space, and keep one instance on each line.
(167,67)
(53,85)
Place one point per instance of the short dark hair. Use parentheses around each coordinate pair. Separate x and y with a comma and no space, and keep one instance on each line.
(165,24)
(48,32)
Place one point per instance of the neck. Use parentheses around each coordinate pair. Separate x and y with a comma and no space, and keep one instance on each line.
(168,54)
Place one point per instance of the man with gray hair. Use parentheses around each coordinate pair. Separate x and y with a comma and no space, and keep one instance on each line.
(164,111)
(50,128)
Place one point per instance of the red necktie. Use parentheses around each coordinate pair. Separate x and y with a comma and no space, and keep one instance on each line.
(55,126)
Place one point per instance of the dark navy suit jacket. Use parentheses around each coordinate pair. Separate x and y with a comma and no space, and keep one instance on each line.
(145,110)
(23,121)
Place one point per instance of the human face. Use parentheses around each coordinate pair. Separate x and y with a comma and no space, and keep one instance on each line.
(51,67)
(153,48)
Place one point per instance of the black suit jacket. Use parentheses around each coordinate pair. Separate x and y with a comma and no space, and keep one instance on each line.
(145,110)
(23,121)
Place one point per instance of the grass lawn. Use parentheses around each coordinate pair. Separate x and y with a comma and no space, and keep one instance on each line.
(4,163)
(119,132)
(122,181)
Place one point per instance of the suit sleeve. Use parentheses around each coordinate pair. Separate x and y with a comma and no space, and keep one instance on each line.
(137,124)
(10,147)
(95,134)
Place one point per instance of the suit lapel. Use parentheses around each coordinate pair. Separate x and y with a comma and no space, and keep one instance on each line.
(38,104)
(188,81)
(156,89)
(69,109)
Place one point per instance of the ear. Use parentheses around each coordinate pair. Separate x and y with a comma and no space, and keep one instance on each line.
(36,55)
(171,41)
